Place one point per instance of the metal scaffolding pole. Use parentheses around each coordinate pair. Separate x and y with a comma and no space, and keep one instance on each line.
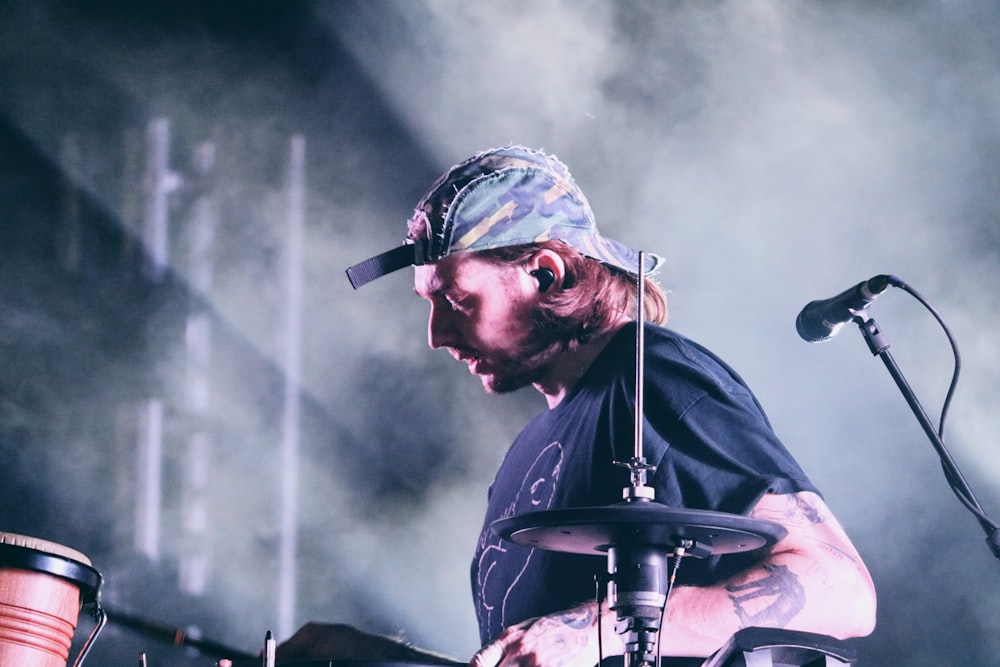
(149,476)
(159,181)
(195,557)
(293,379)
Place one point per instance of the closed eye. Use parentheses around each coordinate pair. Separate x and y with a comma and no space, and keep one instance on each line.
(458,301)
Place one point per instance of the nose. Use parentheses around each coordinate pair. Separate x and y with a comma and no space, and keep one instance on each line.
(440,327)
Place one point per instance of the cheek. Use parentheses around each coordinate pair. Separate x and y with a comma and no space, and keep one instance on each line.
(508,327)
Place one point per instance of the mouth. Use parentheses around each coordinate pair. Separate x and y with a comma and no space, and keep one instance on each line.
(472,359)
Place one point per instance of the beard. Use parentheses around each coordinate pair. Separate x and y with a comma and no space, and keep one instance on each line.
(513,375)
(526,365)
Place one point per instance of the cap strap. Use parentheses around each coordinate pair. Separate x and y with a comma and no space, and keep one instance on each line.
(400,257)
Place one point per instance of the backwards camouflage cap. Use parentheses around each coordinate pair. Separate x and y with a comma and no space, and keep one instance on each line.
(502,197)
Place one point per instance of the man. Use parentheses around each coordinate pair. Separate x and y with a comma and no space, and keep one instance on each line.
(524,290)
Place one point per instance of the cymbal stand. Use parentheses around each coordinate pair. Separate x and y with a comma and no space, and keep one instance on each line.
(638,573)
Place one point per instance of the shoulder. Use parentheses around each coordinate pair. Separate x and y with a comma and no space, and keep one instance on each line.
(677,363)
(673,346)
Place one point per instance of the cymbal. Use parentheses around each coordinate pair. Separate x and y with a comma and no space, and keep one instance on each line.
(594,530)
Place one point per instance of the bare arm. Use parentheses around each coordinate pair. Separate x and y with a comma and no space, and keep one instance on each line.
(813,580)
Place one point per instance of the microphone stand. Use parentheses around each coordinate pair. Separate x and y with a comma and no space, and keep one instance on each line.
(879,346)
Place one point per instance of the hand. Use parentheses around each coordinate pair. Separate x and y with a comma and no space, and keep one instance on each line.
(566,639)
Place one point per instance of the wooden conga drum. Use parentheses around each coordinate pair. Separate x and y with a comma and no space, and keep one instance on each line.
(43,586)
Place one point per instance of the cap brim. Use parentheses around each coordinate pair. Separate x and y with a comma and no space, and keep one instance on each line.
(618,256)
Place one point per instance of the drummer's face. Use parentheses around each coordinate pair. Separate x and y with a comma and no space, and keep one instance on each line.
(481,313)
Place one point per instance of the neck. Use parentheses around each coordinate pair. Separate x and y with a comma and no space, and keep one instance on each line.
(567,368)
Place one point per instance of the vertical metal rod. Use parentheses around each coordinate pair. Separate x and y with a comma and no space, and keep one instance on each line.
(149,479)
(640,345)
(195,558)
(293,381)
(159,182)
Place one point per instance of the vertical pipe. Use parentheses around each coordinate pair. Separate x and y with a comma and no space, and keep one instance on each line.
(292,359)
(195,557)
(159,181)
(148,479)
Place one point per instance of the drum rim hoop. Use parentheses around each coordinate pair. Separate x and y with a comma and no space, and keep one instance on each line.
(87,578)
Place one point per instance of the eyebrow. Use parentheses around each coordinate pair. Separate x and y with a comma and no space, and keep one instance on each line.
(435,290)
(436,285)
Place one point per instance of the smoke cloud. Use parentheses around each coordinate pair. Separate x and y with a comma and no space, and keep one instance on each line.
(772,152)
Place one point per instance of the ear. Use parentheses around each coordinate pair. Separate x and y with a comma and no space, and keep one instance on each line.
(547,269)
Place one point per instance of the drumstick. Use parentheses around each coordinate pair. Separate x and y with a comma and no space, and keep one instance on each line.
(269,649)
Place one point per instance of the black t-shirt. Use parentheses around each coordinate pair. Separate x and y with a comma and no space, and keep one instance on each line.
(705,432)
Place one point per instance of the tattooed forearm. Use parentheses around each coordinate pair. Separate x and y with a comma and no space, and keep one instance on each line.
(578,619)
(772,601)
(566,633)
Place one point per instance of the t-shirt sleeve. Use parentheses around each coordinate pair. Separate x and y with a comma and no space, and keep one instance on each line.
(709,438)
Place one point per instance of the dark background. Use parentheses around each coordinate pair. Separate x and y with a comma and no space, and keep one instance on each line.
(772,152)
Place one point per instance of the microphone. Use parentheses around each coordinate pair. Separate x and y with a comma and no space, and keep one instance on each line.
(820,320)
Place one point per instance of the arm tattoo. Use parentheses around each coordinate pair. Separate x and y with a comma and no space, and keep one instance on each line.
(563,631)
(797,511)
(578,619)
(801,512)
(771,601)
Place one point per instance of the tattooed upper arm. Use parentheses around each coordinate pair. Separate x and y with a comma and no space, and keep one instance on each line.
(810,523)
(775,591)
(792,509)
